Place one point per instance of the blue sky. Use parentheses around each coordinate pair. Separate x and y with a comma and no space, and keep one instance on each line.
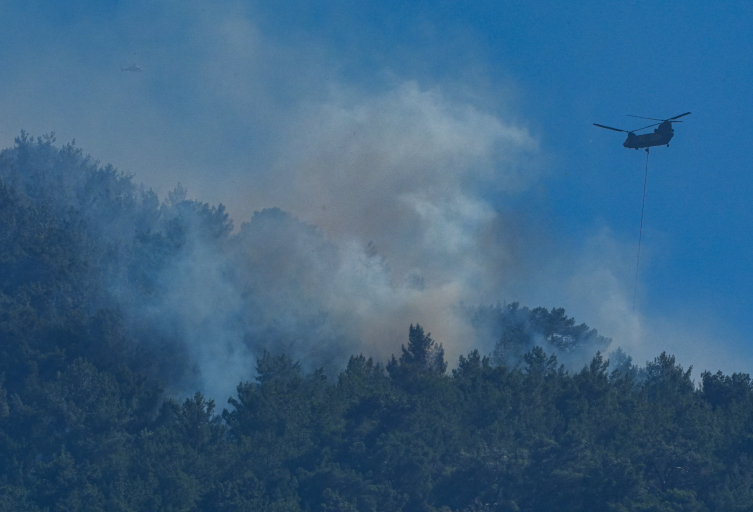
(480,116)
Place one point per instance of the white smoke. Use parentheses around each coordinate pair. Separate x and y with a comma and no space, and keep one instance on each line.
(398,182)
(401,187)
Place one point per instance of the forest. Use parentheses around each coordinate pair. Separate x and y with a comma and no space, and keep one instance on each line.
(97,359)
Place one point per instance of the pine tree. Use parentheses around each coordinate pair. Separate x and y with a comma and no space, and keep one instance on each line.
(422,357)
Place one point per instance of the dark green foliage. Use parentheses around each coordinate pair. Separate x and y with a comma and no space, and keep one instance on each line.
(513,331)
(85,423)
(422,358)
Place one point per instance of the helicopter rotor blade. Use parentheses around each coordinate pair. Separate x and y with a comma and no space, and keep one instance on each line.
(651,118)
(649,126)
(654,119)
(685,114)
(668,119)
(610,128)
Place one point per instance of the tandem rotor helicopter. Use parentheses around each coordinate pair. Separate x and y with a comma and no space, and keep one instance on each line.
(133,68)
(663,133)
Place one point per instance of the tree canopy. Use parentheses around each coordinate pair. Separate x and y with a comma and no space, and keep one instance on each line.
(97,410)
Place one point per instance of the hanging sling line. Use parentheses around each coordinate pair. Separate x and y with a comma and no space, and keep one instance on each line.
(640,233)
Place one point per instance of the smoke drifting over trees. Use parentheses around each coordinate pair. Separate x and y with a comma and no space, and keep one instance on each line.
(113,302)
(184,282)
(81,237)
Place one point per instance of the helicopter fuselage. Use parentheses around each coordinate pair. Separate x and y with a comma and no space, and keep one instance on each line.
(661,136)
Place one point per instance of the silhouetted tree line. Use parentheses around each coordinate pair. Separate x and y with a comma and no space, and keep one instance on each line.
(514,330)
(86,423)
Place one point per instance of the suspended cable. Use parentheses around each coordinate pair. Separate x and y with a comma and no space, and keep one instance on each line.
(640,233)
